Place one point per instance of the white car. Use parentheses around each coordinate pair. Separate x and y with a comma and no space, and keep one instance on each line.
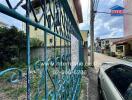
(115,81)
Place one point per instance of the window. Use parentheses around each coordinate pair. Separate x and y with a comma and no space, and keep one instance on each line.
(51,40)
(102,42)
(107,41)
(35,28)
(119,48)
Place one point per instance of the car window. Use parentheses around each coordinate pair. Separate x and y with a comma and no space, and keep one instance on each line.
(128,94)
(121,76)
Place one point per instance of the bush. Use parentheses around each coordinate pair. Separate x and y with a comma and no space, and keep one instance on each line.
(12,41)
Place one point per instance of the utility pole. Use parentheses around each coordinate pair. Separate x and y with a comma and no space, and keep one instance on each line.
(92,16)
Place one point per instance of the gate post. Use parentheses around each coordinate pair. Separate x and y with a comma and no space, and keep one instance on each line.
(28,50)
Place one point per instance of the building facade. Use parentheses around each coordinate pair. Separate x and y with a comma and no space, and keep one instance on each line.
(124,45)
(2,24)
(106,46)
(128,17)
(76,10)
(39,34)
(84,34)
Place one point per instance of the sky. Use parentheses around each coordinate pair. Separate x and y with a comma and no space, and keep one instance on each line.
(106,26)
(9,20)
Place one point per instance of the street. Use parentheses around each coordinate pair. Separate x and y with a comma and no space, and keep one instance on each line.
(100,58)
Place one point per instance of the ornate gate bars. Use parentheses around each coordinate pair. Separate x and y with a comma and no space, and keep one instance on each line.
(61,24)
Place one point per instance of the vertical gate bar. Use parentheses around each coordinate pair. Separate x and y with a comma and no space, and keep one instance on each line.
(54,46)
(28,50)
(65,41)
(70,49)
(60,55)
(60,15)
(80,52)
(45,52)
(54,30)
(66,44)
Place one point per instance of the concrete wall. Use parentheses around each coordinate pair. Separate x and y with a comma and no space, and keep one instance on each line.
(74,51)
(128,18)
(38,53)
(39,34)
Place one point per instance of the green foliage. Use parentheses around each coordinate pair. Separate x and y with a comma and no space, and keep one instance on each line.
(36,43)
(12,41)
(57,51)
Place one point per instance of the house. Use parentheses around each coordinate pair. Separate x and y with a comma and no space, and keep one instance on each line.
(39,34)
(128,17)
(2,24)
(84,34)
(124,45)
(74,11)
(106,45)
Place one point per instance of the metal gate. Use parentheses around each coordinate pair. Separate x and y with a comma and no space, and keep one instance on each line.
(62,83)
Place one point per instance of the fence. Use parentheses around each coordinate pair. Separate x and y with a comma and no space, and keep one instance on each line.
(51,78)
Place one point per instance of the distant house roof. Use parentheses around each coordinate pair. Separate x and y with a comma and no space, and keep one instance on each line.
(116,7)
(3,24)
(123,40)
(111,38)
(84,30)
(36,3)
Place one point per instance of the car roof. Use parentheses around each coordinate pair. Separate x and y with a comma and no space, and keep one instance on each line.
(107,65)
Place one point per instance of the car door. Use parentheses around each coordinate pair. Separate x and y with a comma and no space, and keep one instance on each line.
(109,90)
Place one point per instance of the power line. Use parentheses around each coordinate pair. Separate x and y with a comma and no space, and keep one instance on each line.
(96,3)
(111,13)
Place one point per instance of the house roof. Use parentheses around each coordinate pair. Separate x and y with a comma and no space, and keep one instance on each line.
(2,23)
(116,7)
(78,8)
(36,3)
(123,40)
(111,38)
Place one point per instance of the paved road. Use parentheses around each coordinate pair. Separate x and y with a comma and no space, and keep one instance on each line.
(92,74)
(100,58)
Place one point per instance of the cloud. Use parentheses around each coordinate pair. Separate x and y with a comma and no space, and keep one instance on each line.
(84,26)
(105,24)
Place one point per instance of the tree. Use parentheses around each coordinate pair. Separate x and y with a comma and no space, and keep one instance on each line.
(11,42)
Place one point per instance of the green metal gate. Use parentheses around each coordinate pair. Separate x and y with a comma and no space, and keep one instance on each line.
(62,83)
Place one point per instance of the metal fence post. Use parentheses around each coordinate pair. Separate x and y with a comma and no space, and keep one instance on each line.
(28,51)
